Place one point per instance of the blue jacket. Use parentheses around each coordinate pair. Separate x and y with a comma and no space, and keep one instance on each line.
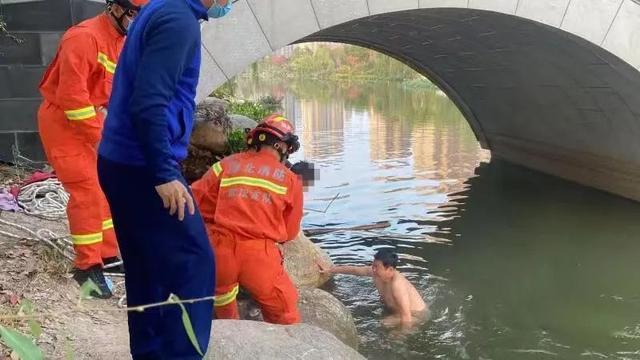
(150,114)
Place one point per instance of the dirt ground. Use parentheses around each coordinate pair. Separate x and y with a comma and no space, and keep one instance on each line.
(30,270)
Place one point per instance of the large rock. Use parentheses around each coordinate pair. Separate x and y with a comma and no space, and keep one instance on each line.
(301,257)
(197,163)
(210,136)
(250,340)
(211,108)
(241,122)
(243,339)
(318,308)
(212,125)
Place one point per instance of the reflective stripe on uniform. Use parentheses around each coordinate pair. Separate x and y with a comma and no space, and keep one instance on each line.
(109,65)
(217,168)
(107,224)
(257,182)
(227,298)
(87,239)
(81,114)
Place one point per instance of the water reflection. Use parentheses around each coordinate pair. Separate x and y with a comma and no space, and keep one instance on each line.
(323,135)
(515,264)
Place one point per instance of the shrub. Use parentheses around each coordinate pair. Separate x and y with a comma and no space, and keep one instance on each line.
(250,109)
(236,142)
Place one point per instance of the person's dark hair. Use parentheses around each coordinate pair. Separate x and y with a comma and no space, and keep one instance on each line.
(387,257)
(305,170)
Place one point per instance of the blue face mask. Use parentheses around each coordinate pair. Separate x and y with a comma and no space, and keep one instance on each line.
(217,11)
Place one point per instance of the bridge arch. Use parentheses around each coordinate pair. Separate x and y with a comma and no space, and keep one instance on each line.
(552,85)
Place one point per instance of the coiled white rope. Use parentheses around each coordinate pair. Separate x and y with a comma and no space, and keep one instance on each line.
(45,199)
(48,200)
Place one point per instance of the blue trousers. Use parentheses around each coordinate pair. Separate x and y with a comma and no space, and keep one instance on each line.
(162,256)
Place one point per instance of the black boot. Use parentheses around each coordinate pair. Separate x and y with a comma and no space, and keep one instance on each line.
(96,275)
(113,265)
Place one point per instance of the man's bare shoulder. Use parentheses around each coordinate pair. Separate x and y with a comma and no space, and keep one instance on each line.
(400,281)
(402,284)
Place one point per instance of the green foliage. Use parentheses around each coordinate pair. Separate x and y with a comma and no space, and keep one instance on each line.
(21,344)
(335,62)
(226,91)
(250,109)
(236,141)
(186,322)
(317,65)
(420,83)
(26,308)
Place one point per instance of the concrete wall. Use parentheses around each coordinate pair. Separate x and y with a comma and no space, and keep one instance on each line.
(39,24)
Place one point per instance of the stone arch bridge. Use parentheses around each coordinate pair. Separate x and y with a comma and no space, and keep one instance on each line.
(552,85)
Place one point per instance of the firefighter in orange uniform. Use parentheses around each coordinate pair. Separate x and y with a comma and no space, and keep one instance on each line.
(76,89)
(250,202)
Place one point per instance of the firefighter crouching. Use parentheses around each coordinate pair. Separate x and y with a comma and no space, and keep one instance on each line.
(251,201)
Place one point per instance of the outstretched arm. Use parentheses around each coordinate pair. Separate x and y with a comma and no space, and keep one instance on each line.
(349,270)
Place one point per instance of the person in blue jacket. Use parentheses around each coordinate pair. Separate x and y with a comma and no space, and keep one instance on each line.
(162,238)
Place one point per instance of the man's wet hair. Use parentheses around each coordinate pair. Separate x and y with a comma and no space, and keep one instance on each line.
(387,257)
(305,170)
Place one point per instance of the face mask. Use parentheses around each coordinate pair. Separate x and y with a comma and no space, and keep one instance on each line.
(217,11)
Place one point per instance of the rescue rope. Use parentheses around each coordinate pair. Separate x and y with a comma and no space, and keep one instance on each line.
(45,199)
(61,244)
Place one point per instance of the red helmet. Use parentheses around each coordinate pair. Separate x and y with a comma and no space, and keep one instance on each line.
(134,5)
(278,126)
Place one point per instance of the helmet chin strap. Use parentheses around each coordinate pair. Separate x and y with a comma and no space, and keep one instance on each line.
(284,154)
(119,21)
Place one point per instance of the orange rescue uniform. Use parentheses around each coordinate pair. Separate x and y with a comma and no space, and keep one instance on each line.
(75,86)
(250,202)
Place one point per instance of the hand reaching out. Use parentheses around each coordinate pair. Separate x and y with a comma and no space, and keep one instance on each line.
(323,268)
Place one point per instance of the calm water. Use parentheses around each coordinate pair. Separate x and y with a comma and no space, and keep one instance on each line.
(514,264)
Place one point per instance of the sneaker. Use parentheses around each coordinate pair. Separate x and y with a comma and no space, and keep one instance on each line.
(97,276)
(113,265)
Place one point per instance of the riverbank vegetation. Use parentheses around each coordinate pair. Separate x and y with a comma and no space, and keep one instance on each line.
(337,62)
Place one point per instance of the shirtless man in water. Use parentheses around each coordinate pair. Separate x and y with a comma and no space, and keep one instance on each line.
(396,292)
